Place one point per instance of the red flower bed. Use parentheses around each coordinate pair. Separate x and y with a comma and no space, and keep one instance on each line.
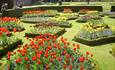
(7,19)
(49,54)
(35,12)
(4,31)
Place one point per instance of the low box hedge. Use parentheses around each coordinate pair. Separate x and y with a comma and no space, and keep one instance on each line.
(3,51)
(34,35)
(99,41)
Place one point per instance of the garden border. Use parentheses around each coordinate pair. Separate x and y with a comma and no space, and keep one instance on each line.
(10,47)
(96,42)
(33,35)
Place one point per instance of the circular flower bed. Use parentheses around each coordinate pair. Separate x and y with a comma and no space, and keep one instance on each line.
(49,54)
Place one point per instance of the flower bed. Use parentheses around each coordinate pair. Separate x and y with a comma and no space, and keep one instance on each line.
(95,33)
(67,10)
(61,21)
(69,16)
(49,54)
(6,42)
(11,24)
(110,14)
(86,18)
(83,19)
(44,29)
(83,11)
(34,19)
(54,23)
(39,13)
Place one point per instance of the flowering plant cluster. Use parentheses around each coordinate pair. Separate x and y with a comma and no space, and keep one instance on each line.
(44,29)
(5,38)
(4,31)
(84,11)
(39,13)
(49,54)
(67,10)
(35,12)
(12,26)
(7,19)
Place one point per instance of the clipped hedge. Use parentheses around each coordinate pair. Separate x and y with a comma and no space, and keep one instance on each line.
(10,47)
(112,8)
(96,42)
(34,35)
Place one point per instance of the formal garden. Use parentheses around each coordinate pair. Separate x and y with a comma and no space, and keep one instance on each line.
(71,36)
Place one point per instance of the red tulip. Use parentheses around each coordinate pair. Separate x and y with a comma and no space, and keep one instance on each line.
(81,68)
(51,54)
(59,59)
(8,57)
(74,48)
(81,59)
(32,43)
(0,33)
(64,66)
(55,45)
(54,56)
(47,50)
(9,53)
(87,53)
(22,53)
(41,51)
(26,59)
(70,67)
(73,58)
(46,55)
(65,46)
(64,52)
(59,47)
(18,60)
(51,60)
(87,58)
(38,55)
(49,47)
(37,47)
(47,66)
(34,58)
(68,56)
(14,29)
(67,61)
(78,47)
(19,50)
(39,62)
